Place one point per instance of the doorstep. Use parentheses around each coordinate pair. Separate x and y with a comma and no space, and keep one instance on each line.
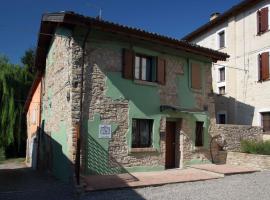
(225,169)
(146,179)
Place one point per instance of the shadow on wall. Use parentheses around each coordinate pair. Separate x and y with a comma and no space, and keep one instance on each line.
(50,157)
(237,112)
(99,161)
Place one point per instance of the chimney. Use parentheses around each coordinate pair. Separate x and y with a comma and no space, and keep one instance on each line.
(214,16)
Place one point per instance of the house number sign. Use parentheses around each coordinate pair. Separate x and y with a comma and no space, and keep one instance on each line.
(105,131)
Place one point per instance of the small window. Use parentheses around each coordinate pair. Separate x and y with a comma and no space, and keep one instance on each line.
(199,134)
(221,39)
(264,65)
(221,118)
(266,121)
(196,82)
(141,133)
(34,116)
(221,90)
(222,74)
(145,68)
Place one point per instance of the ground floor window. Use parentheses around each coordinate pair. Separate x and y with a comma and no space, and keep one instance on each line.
(266,121)
(141,133)
(199,134)
(221,119)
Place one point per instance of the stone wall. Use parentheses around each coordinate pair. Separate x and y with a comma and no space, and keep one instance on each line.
(249,160)
(56,105)
(231,135)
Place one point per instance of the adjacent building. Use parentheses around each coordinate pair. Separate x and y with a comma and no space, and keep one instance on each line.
(136,101)
(242,81)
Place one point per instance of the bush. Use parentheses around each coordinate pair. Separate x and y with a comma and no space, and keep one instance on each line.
(254,147)
(2,154)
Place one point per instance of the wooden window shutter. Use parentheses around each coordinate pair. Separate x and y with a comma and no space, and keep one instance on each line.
(196,82)
(161,71)
(265,65)
(264,19)
(259,23)
(128,60)
(260,66)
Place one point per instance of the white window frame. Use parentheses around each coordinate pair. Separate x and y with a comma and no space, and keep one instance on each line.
(218,41)
(218,83)
(259,115)
(223,112)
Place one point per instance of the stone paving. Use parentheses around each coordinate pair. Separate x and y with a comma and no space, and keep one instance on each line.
(22,183)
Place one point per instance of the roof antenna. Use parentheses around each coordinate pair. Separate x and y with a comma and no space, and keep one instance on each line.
(99,17)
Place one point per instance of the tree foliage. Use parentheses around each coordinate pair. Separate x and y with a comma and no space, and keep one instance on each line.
(28,60)
(15,82)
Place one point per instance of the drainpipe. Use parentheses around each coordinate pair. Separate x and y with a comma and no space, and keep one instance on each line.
(79,126)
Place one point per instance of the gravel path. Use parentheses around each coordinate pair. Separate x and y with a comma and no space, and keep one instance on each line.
(237,187)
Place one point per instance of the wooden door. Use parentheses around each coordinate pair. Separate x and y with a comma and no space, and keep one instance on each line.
(170,145)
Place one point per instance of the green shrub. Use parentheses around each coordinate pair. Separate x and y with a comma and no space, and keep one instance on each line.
(2,154)
(254,147)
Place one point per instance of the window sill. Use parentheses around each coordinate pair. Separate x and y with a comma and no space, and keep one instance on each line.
(140,82)
(221,48)
(259,34)
(143,150)
(261,81)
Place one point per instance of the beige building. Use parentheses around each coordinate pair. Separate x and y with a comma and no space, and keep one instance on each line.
(241,82)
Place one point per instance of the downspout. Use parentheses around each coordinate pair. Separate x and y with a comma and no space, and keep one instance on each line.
(79,127)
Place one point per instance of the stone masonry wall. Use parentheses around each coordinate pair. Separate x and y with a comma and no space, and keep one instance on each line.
(261,162)
(56,109)
(231,135)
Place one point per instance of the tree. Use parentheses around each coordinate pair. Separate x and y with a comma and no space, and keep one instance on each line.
(28,59)
(15,82)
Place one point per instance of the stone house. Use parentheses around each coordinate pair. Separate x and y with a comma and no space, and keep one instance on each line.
(241,81)
(117,99)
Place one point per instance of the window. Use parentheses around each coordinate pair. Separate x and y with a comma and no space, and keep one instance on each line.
(141,133)
(199,134)
(266,121)
(263,62)
(221,39)
(196,82)
(34,116)
(222,74)
(263,20)
(145,68)
(221,90)
(221,118)
(142,67)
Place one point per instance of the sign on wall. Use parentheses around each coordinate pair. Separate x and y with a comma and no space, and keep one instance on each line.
(105,131)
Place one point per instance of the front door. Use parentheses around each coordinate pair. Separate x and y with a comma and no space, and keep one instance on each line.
(170,145)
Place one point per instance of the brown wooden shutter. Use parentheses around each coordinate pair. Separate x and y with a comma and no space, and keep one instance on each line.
(260,66)
(128,60)
(161,71)
(265,65)
(196,82)
(259,25)
(264,19)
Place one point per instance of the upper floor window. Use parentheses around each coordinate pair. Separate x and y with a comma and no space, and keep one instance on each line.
(221,118)
(143,67)
(263,20)
(263,61)
(221,74)
(141,133)
(221,39)
(196,82)
(266,121)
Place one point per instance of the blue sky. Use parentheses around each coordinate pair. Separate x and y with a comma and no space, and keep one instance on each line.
(20,19)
